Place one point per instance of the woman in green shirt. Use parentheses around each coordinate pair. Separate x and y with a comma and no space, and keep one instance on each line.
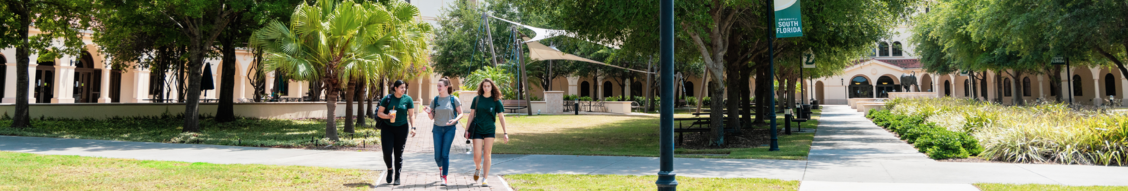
(484,109)
(397,113)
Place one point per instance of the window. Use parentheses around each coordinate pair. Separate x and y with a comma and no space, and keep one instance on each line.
(1025,86)
(1110,85)
(897,49)
(1006,87)
(860,88)
(636,88)
(883,49)
(1077,86)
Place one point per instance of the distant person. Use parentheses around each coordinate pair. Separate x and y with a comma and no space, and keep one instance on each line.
(398,113)
(446,113)
(484,111)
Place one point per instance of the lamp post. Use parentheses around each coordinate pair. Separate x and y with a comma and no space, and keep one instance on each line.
(845,90)
(667,179)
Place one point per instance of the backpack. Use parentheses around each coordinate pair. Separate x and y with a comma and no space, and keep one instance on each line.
(454,110)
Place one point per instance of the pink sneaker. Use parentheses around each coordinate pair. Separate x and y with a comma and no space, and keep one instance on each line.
(444,181)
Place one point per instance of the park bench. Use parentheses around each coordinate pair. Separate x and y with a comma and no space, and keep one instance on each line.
(514,109)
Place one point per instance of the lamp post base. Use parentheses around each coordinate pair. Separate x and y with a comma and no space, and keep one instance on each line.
(667,181)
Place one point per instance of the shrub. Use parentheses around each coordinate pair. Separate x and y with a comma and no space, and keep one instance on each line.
(612,98)
(585,98)
(706,101)
(571,97)
(690,100)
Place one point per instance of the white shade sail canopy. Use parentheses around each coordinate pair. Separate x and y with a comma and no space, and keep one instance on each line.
(540,52)
(542,33)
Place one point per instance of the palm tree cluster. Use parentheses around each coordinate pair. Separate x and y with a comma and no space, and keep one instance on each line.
(345,45)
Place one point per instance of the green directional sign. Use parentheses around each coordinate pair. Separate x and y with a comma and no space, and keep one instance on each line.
(788,19)
(1058,60)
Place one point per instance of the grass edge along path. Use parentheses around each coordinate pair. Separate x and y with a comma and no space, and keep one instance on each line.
(633,182)
(280,133)
(24,171)
(596,135)
(1046,187)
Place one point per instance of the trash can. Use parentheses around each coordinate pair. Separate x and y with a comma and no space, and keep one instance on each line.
(814,104)
(805,112)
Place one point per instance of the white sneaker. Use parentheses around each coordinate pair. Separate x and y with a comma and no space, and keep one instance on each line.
(484,183)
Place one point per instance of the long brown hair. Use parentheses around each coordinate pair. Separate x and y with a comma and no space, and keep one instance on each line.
(446,82)
(495,92)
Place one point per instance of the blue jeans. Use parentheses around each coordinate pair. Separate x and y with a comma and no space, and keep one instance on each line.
(444,137)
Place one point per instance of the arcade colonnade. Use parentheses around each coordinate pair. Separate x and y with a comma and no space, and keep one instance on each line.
(1091,85)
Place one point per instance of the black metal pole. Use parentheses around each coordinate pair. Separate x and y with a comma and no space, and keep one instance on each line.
(667,179)
(771,76)
(1070,78)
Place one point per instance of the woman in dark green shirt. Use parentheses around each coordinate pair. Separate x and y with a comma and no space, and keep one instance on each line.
(397,113)
(484,109)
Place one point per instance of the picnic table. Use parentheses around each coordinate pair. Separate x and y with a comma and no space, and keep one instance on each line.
(514,109)
(698,125)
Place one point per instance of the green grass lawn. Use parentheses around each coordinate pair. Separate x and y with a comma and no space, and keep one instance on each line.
(626,136)
(627,182)
(22,171)
(243,132)
(1045,187)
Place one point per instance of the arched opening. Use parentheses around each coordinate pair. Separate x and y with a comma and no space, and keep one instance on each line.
(883,49)
(860,88)
(897,51)
(947,88)
(1025,86)
(1110,85)
(967,89)
(983,87)
(585,89)
(636,88)
(607,90)
(1006,87)
(87,80)
(689,89)
(885,84)
(926,83)
(1077,88)
(819,93)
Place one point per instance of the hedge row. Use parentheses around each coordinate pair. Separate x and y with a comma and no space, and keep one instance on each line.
(937,142)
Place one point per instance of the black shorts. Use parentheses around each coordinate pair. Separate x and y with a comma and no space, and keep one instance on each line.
(481,136)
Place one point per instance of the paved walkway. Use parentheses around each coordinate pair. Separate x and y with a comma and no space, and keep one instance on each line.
(848,153)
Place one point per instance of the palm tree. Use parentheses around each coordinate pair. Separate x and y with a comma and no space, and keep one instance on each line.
(334,42)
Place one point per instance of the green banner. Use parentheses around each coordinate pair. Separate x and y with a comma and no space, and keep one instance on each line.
(788,19)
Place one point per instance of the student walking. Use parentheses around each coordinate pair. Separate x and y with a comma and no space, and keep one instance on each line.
(483,111)
(398,113)
(446,113)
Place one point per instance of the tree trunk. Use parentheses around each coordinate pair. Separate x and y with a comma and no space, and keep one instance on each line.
(745,97)
(360,111)
(22,117)
(733,95)
(350,94)
(372,94)
(196,53)
(226,108)
(1018,100)
(763,95)
(649,92)
(1055,82)
(331,110)
(716,115)
(704,87)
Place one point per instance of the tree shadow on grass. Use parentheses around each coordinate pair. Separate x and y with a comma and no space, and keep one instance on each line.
(281,133)
(632,136)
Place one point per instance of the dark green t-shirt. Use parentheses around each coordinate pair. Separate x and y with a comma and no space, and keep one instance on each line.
(401,105)
(485,112)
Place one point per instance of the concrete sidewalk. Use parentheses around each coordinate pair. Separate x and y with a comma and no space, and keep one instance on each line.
(848,153)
